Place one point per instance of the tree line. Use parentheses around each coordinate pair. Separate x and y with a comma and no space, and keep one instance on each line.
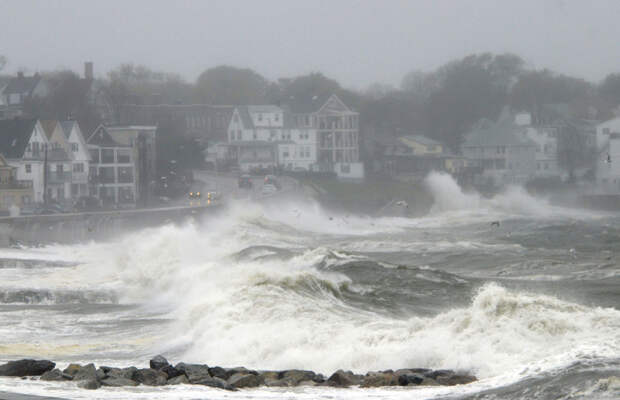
(442,104)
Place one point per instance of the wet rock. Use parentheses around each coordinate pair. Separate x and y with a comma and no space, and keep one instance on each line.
(219,372)
(269,374)
(342,378)
(455,379)
(124,373)
(214,382)
(151,377)
(26,367)
(87,372)
(171,371)
(194,372)
(378,379)
(177,380)
(296,376)
(118,382)
(239,370)
(307,383)
(90,384)
(56,375)
(241,380)
(438,372)
(100,374)
(72,369)
(158,362)
(410,379)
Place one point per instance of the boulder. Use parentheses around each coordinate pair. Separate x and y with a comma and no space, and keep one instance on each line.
(87,372)
(219,372)
(26,367)
(214,382)
(378,379)
(118,382)
(177,380)
(72,369)
(438,372)
(241,380)
(271,375)
(124,373)
(90,384)
(297,375)
(171,371)
(194,372)
(342,378)
(151,377)
(56,375)
(410,379)
(455,379)
(238,370)
(158,362)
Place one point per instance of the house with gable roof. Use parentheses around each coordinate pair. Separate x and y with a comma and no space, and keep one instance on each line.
(80,158)
(23,144)
(112,170)
(17,91)
(58,173)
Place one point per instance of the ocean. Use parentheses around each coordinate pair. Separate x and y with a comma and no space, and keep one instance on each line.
(531,307)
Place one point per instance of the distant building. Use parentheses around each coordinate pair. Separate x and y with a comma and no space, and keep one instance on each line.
(608,156)
(17,91)
(13,192)
(503,151)
(58,173)
(112,170)
(80,158)
(23,143)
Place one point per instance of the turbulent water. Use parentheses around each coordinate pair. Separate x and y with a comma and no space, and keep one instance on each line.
(530,307)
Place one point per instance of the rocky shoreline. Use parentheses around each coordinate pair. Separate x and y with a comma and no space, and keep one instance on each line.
(161,372)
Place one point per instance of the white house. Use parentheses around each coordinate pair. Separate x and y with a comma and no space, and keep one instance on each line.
(604,131)
(112,170)
(546,139)
(80,158)
(23,143)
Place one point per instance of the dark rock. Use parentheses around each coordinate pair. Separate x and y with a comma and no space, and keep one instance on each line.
(90,384)
(171,371)
(410,379)
(214,382)
(72,369)
(307,383)
(241,380)
(194,372)
(438,372)
(319,378)
(219,372)
(278,382)
(177,380)
(100,374)
(118,382)
(239,370)
(56,375)
(158,362)
(124,373)
(296,375)
(341,378)
(87,372)
(429,382)
(273,375)
(455,379)
(378,379)
(151,377)
(26,367)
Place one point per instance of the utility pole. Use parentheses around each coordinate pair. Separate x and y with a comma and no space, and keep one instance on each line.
(45,174)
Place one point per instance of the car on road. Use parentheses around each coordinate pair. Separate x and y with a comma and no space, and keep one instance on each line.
(272,180)
(245,182)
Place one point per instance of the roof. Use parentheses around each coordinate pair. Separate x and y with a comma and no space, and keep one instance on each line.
(267,108)
(15,135)
(102,138)
(21,84)
(66,127)
(502,133)
(245,117)
(48,127)
(422,139)
(306,104)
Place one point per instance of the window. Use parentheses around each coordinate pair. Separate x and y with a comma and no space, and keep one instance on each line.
(78,167)
(345,168)
(74,147)
(254,135)
(107,156)
(28,168)
(60,168)
(277,117)
(123,156)
(239,135)
(307,120)
(260,117)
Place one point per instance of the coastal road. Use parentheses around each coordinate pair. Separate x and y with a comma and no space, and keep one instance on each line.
(228,184)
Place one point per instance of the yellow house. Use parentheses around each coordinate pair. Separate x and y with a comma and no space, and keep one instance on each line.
(455,164)
(13,192)
(421,145)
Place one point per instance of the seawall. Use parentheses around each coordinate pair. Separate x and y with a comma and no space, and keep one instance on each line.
(79,227)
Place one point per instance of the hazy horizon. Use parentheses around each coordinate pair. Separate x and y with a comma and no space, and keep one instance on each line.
(357,43)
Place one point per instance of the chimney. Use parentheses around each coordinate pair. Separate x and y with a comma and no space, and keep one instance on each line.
(88,70)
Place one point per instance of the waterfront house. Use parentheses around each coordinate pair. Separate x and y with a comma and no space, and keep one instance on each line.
(13,192)
(19,90)
(80,158)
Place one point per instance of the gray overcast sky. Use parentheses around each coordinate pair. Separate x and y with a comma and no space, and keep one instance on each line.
(355,42)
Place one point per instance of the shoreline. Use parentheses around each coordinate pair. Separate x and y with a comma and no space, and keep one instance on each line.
(162,373)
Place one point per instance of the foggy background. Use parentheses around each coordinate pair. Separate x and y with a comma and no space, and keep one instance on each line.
(355,42)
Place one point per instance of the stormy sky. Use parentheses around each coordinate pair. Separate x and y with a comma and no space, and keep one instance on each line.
(356,42)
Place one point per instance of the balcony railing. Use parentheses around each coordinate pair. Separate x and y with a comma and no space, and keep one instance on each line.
(15,185)
(58,177)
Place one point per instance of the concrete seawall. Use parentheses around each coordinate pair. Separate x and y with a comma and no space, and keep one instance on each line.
(79,227)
